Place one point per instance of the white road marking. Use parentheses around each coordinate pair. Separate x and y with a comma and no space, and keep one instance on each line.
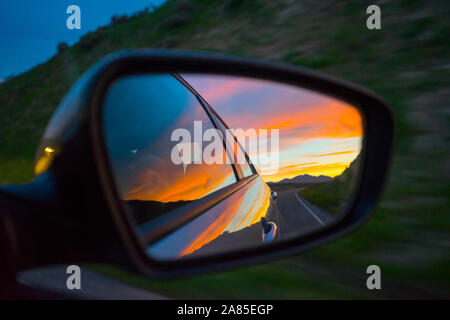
(309,210)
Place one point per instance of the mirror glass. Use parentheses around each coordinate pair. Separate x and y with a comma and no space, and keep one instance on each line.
(208,164)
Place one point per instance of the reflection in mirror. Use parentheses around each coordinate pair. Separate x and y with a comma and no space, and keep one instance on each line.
(208,164)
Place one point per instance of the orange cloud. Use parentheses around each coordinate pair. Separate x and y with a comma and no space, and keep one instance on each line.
(299,114)
(328,120)
(262,104)
(330,170)
(330,154)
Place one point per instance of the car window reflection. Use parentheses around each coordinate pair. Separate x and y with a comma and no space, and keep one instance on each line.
(140,114)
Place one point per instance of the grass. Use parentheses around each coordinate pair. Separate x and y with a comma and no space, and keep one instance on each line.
(407,62)
(327,197)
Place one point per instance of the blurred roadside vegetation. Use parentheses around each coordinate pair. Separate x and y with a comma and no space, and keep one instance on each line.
(407,62)
(334,196)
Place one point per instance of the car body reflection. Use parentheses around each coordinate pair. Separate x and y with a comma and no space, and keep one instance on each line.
(236,219)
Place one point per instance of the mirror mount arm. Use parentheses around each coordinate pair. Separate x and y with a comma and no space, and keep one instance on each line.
(34,232)
(38,227)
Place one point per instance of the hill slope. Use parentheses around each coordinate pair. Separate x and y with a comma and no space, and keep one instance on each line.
(334,196)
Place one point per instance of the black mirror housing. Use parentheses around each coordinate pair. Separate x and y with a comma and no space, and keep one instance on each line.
(87,202)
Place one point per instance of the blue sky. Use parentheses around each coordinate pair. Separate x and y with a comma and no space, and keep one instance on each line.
(30,30)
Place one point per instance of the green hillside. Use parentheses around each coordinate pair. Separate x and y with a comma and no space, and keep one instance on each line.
(407,62)
(334,196)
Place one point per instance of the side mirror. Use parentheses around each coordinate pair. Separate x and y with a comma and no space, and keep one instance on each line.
(169,162)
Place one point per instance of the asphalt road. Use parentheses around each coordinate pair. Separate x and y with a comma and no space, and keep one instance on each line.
(299,215)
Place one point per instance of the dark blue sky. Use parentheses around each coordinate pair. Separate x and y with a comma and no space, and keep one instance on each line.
(30,30)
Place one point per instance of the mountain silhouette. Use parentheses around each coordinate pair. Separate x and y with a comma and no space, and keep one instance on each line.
(306,178)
